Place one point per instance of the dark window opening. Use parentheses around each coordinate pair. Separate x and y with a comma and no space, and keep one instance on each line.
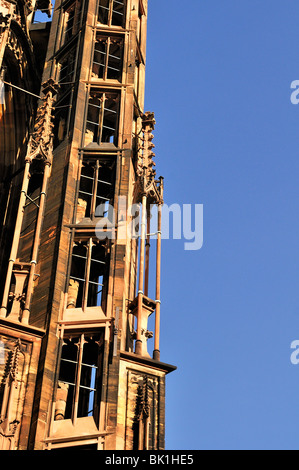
(102,118)
(66,72)
(112,12)
(88,275)
(96,189)
(79,383)
(35,184)
(107,61)
(61,118)
(72,20)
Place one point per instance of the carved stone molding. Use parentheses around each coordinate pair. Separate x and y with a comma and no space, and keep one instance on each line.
(145,165)
(142,410)
(40,145)
(14,375)
(9,422)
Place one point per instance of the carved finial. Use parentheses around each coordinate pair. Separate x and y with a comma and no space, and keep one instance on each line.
(41,141)
(145,162)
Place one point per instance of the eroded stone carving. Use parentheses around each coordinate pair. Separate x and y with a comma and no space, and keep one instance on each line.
(9,421)
(41,141)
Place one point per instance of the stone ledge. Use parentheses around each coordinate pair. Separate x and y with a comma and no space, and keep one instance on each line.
(147,361)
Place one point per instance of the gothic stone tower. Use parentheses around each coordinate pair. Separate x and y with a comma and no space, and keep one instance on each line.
(79,367)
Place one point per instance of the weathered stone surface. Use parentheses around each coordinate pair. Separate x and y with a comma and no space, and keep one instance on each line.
(74,304)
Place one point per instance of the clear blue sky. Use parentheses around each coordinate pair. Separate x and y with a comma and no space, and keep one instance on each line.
(227,137)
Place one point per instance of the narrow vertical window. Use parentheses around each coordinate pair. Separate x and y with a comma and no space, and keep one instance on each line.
(102,118)
(78,392)
(107,62)
(72,20)
(66,69)
(61,119)
(112,12)
(88,273)
(69,23)
(96,189)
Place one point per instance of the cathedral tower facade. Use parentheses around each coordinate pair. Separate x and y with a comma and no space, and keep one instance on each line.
(80,265)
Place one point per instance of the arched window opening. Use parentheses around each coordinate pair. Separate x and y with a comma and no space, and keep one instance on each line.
(79,383)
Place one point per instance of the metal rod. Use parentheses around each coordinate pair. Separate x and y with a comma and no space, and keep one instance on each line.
(99,181)
(32,201)
(87,274)
(78,379)
(156,353)
(147,254)
(138,345)
(79,256)
(16,238)
(22,89)
(77,278)
(36,244)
